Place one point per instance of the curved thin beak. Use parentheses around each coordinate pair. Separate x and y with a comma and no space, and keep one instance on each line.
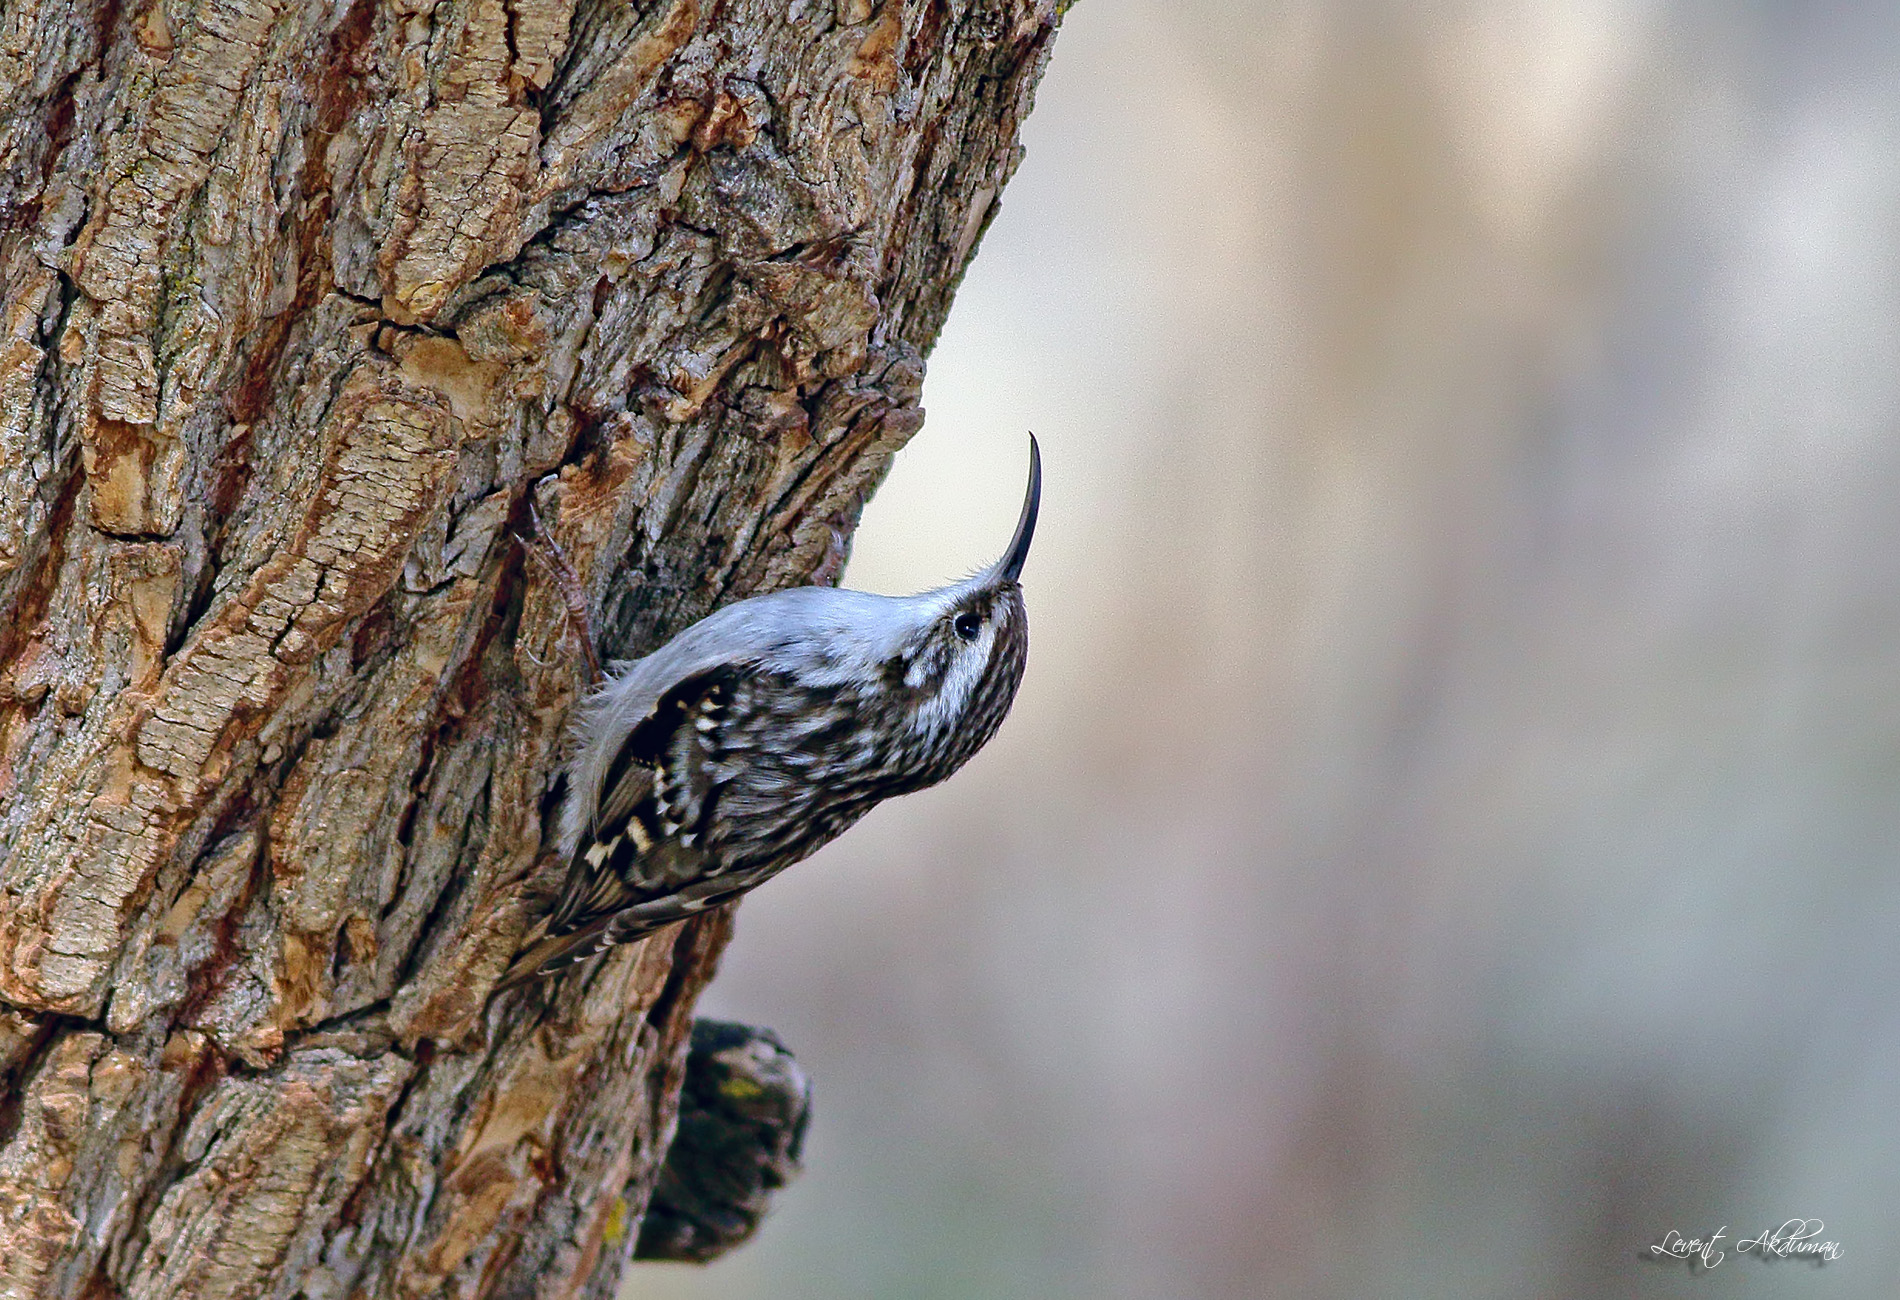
(1010,567)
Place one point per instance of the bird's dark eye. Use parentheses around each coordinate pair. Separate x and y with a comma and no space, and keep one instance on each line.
(967,626)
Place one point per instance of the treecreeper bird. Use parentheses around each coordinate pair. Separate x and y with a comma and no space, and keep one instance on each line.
(763,731)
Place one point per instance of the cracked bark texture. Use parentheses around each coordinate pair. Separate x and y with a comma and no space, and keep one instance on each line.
(306,304)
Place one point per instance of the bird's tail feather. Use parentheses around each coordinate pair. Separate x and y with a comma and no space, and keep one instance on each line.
(550,954)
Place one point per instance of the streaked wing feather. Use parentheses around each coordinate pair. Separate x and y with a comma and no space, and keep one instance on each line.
(632,786)
(663,774)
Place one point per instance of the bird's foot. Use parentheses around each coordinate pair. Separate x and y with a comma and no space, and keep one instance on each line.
(837,551)
(544,548)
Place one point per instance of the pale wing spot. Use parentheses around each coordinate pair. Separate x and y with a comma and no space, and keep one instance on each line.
(598,854)
(641,840)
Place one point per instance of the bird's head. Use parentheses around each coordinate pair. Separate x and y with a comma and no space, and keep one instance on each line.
(961,658)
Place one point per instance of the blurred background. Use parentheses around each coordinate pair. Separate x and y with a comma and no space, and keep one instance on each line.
(1447,835)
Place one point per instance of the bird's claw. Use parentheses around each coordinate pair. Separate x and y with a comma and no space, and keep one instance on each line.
(567,582)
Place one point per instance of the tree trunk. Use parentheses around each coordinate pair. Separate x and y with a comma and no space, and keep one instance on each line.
(309,308)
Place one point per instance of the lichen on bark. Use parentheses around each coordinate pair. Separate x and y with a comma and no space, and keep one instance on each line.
(309,309)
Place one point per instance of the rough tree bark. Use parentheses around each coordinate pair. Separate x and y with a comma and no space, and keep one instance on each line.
(305,303)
